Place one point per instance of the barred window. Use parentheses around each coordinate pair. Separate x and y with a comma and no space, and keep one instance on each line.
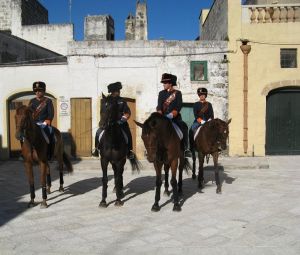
(198,70)
(288,58)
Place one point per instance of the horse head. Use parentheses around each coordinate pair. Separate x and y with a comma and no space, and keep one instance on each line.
(150,134)
(23,120)
(109,111)
(222,131)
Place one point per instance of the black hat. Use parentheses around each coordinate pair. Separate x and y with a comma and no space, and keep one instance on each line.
(202,91)
(39,85)
(114,87)
(166,77)
(174,80)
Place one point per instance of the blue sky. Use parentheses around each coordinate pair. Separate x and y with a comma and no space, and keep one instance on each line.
(167,19)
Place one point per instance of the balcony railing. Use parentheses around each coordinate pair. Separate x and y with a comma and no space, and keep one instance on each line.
(280,13)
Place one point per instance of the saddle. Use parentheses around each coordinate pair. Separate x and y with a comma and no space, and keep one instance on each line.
(123,132)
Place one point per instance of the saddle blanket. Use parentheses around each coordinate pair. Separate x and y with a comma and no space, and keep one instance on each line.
(178,130)
(197,132)
(44,133)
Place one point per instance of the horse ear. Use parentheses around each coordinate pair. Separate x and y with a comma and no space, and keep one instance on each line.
(228,122)
(139,124)
(103,96)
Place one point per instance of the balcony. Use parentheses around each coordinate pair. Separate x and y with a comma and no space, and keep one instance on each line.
(279,13)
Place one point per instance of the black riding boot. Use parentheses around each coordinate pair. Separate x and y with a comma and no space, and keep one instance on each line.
(95,151)
(125,127)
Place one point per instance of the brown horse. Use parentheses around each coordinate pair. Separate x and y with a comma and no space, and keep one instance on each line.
(210,140)
(164,147)
(35,149)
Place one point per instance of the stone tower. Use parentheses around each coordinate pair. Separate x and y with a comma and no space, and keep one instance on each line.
(129,27)
(99,27)
(141,21)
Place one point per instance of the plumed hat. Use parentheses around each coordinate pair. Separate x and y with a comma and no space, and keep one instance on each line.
(114,87)
(202,91)
(39,85)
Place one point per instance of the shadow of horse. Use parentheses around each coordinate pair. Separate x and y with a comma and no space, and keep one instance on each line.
(77,188)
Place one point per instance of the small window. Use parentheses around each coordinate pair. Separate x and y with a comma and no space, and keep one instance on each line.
(288,58)
(199,71)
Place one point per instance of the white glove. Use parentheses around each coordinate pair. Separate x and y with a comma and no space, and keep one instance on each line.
(170,116)
(44,123)
(202,122)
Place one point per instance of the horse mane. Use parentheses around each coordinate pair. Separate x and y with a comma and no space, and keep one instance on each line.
(151,122)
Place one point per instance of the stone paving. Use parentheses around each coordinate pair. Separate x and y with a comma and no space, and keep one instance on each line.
(257,213)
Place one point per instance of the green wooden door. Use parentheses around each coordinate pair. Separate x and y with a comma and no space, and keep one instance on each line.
(283,122)
(187,114)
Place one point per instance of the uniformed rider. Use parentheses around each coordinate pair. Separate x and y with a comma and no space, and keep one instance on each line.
(124,115)
(170,103)
(43,112)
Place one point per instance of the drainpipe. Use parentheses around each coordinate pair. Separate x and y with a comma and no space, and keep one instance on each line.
(246,50)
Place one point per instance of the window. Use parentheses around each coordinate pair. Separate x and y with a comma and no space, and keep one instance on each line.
(288,58)
(199,71)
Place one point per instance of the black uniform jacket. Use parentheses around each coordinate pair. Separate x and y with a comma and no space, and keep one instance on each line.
(200,115)
(47,112)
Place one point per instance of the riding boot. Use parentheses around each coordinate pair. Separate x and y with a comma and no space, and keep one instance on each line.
(125,127)
(187,152)
(95,151)
(191,140)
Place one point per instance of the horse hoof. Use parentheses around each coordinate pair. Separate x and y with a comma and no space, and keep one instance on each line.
(119,203)
(219,190)
(61,189)
(155,208)
(44,205)
(167,193)
(177,208)
(48,190)
(31,204)
(103,204)
(193,176)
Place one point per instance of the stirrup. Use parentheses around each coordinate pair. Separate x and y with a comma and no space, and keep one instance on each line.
(187,153)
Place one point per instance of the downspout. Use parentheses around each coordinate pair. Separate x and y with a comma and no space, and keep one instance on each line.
(246,50)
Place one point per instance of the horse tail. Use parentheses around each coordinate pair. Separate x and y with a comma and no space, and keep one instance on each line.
(67,162)
(186,165)
(135,163)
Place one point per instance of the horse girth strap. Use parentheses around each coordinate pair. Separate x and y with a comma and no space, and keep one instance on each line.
(169,100)
(40,107)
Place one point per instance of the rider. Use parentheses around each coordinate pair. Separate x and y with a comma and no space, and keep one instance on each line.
(170,103)
(124,115)
(203,112)
(43,112)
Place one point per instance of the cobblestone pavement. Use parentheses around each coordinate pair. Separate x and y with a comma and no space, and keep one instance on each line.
(257,213)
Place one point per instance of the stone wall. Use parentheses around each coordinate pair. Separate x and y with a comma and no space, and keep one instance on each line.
(215,26)
(33,13)
(5,15)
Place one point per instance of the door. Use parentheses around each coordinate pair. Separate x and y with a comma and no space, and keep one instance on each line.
(187,113)
(14,144)
(283,122)
(81,126)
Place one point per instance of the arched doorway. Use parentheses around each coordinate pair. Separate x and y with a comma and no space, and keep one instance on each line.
(283,121)
(13,103)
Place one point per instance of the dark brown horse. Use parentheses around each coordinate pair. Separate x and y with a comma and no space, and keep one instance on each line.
(211,139)
(164,147)
(113,149)
(35,149)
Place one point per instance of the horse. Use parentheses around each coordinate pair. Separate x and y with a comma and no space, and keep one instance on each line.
(164,147)
(34,149)
(210,140)
(113,149)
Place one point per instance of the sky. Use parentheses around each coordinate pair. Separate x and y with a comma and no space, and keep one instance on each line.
(167,19)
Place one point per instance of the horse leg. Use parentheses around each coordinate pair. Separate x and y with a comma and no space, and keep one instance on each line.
(158,167)
(104,164)
(194,164)
(217,177)
(166,169)
(174,165)
(43,166)
(201,172)
(118,169)
(29,173)
(60,160)
(181,165)
(48,178)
